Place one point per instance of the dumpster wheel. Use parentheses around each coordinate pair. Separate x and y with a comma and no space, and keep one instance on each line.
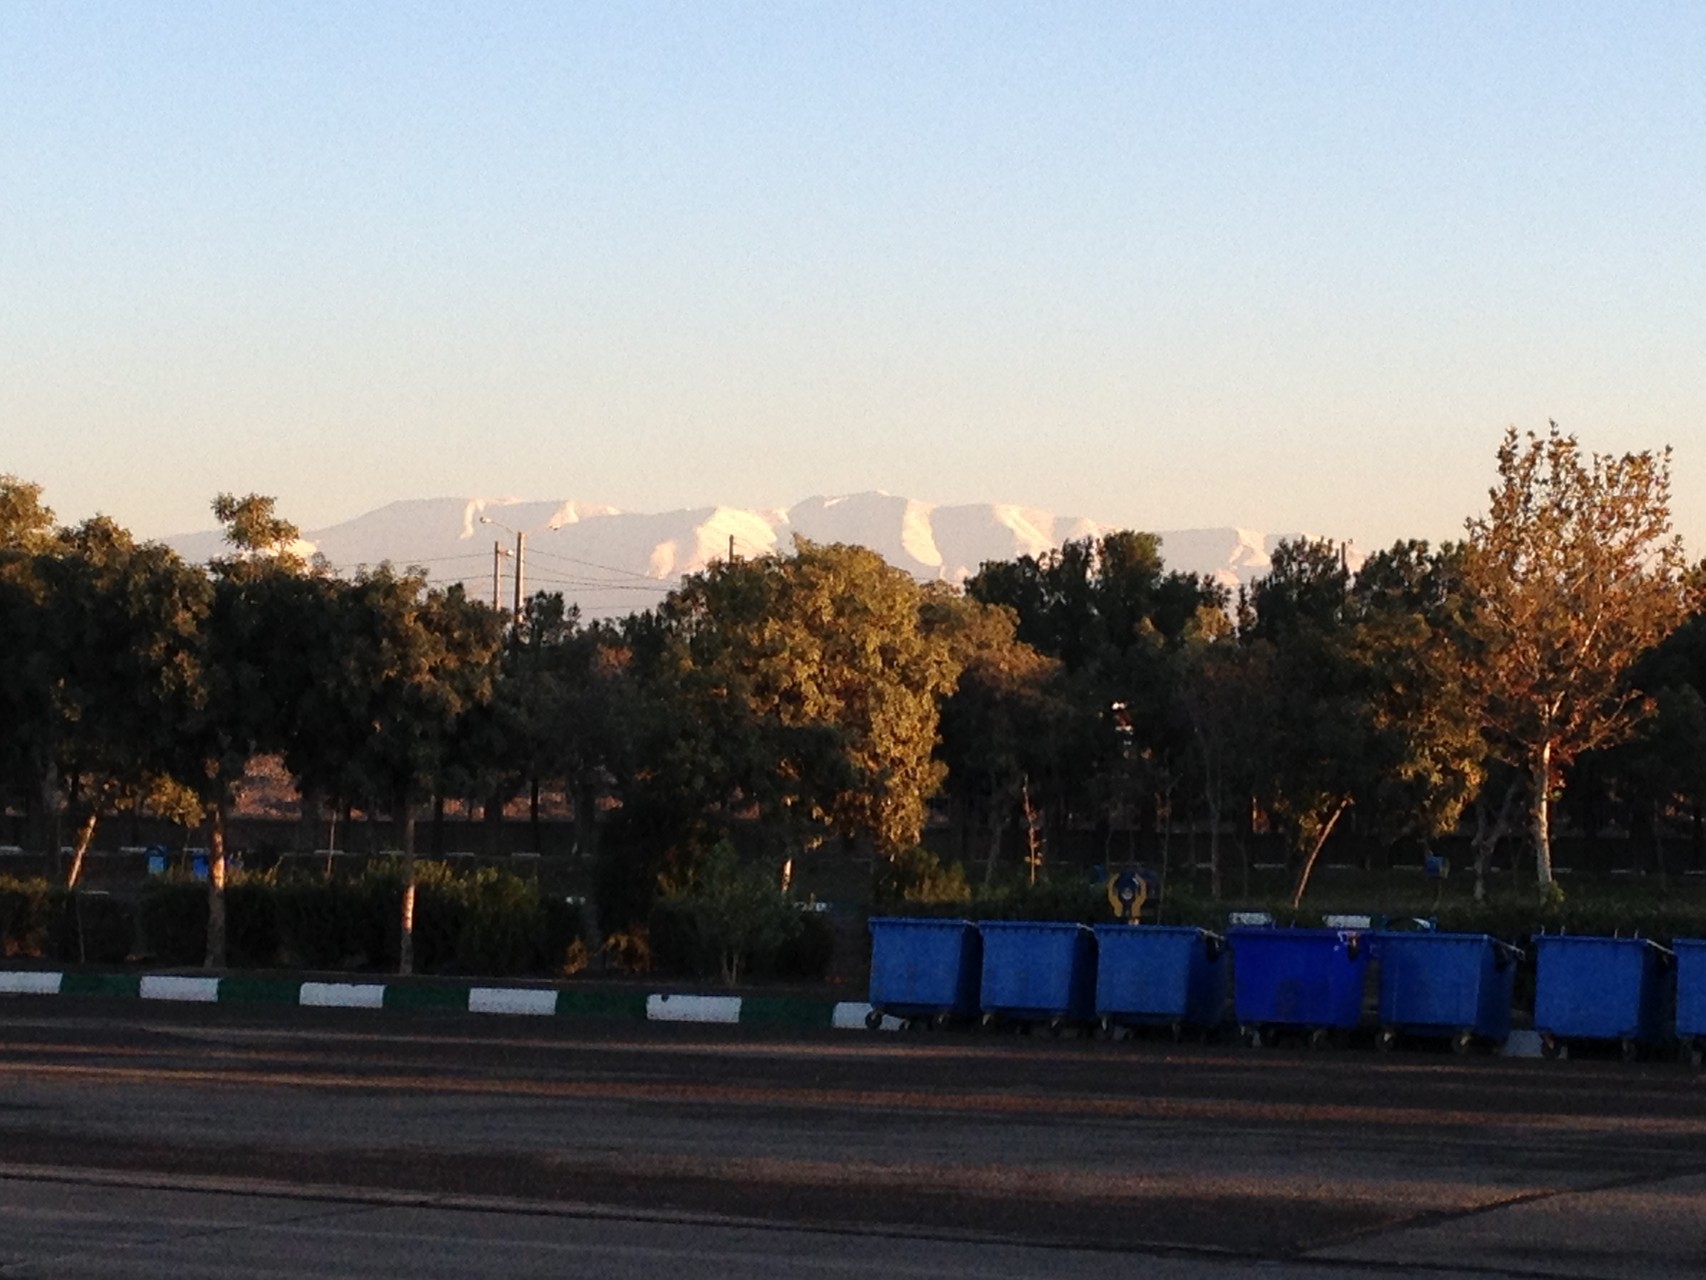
(1629,1048)
(1386,1039)
(874,1020)
(1463,1041)
(1320,1038)
(1549,1046)
(1251,1036)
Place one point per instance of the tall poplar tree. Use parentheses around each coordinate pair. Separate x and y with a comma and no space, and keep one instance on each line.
(1573,574)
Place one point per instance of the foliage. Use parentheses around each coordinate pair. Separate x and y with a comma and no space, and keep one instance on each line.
(91,927)
(1573,573)
(917,875)
(25,916)
(821,682)
(729,919)
(490,922)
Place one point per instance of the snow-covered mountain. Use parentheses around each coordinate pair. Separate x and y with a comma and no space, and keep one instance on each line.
(614,562)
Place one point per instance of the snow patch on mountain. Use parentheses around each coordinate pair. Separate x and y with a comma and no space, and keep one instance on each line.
(613,562)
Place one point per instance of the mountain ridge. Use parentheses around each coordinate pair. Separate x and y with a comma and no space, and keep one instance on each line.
(612,562)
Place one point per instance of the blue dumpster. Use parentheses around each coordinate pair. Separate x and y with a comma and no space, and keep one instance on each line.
(1588,988)
(1691,991)
(1457,985)
(1038,972)
(924,968)
(1156,975)
(1297,979)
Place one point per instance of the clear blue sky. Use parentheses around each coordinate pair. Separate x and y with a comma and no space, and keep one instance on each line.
(1281,265)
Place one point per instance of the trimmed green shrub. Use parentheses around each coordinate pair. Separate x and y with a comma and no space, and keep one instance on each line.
(502,927)
(90,927)
(732,919)
(804,955)
(918,875)
(24,916)
(171,922)
(333,924)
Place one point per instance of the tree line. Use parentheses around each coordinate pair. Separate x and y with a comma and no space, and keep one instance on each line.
(794,700)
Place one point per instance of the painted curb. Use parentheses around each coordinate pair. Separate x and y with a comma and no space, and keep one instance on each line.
(31,984)
(165,986)
(342,995)
(518,1000)
(583,1002)
(693,1008)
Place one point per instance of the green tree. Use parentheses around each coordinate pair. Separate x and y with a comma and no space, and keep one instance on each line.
(1412,636)
(27,721)
(250,648)
(823,681)
(406,666)
(1116,620)
(1003,720)
(1573,573)
(123,628)
(1313,706)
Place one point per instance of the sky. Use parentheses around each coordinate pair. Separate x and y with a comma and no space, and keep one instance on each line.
(1284,266)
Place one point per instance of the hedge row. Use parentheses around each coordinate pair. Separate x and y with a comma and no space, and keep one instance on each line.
(486,923)
(38,919)
(489,922)
(687,938)
(918,886)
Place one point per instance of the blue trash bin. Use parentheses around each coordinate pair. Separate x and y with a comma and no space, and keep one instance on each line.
(1036,971)
(1590,988)
(924,968)
(1456,985)
(1308,980)
(1159,975)
(1691,992)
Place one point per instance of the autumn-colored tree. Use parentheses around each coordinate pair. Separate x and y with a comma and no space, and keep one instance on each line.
(1573,573)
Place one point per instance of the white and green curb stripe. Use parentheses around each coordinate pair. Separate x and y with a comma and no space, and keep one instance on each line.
(31,984)
(586,1002)
(166,986)
(693,1008)
(342,995)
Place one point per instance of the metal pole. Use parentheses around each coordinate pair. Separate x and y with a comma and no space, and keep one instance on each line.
(497,554)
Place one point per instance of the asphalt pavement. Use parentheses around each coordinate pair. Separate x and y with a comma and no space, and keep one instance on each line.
(142,1140)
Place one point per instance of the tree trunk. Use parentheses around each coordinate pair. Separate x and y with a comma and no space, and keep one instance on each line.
(533,815)
(1489,830)
(406,940)
(586,820)
(308,820)
(1315,852)
(997,827)
(85,837)
(1540,813)
(216,887)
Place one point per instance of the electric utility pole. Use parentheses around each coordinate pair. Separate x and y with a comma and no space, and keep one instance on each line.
(520,560)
